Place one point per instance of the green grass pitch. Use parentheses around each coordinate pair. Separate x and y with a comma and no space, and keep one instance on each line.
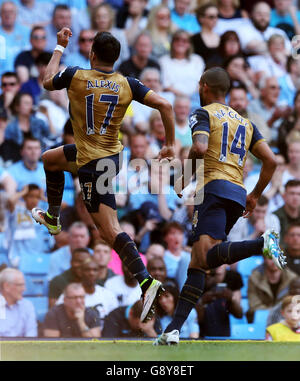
(142,350)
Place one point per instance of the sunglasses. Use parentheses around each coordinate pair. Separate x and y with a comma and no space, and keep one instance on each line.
(5,84)
(86,39)
(38,37)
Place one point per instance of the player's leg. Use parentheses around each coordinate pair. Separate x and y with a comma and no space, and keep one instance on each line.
(56,161)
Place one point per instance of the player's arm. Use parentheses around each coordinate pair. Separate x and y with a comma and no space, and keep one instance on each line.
(53,66)
(263,152)
(166,111)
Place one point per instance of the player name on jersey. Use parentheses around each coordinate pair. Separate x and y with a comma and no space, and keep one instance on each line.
(220,114)
(103,83)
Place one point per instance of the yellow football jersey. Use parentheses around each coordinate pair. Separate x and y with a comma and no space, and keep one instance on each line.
(280,332)
(98,103)
(230,138)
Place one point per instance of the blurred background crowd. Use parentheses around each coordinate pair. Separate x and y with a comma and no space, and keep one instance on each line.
(73,284)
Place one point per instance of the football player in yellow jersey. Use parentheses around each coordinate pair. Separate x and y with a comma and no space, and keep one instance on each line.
(222,138)
(99,98)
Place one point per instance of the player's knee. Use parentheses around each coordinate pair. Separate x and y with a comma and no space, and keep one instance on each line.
(48,161)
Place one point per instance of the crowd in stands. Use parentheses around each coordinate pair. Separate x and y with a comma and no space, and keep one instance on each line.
(73,284)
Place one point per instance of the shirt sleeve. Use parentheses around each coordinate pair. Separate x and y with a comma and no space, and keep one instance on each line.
(199,122)
(30,321)
(256,137)
(63,78)
(139,90)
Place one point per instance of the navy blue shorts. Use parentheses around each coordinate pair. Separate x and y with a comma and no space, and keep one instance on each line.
(215,217)
(96,183)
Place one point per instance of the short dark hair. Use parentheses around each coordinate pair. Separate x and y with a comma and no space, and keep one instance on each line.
(292,183)
(59,7)
(17,100)
(172,225)
(292,225)
(29,138)
(10,74)
(37,27)
(106,47)
(262,201)
(217,79)
(80,250)
(32,187)
(43,58)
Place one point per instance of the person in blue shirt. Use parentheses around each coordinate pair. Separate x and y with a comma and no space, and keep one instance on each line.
(183,19)
(14,37)
(81,57)
(166,306)
(285,16)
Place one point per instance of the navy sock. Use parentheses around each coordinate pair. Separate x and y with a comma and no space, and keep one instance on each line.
(231,252)
(189,296)
(55,182)
(129,255)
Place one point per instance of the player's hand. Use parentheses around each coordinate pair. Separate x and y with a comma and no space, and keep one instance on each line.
(63,37)
(179,186)
(250,205)
(167,152)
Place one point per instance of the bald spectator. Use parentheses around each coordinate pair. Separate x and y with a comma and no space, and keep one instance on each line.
(60,261)
(72,318)
(267,105)
(17,315)
(14,36)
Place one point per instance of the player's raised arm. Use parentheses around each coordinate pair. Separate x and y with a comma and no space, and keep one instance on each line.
(264,153)
(166,111)
(53,67)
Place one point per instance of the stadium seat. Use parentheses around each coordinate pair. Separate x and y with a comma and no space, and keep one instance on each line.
(35,269)
(233,320)
(4,259)
(246,266)
(247,332)
(40,304)
(260,318)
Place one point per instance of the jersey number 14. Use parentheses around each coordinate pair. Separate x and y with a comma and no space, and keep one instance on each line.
(112,101)
(237,146)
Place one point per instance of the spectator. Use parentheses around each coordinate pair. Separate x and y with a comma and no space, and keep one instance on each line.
(289,83)
(61,17)
(239,101)
(61,259)
(98,297)
(72,318)
(292,169)
(25,236)
(25,123)
(206,42)
(140,59)
(289,328)
(267,105)
(291,123)
(157,268)
(183,18)
(19,314)
(182,109)
(151,78)
(222,297)
(166,305)
(9,150)
(73,274)
(16,36)
(29,169)
(125,287)
(161,30)
(290,212)
(229,10)
(102,256)
(254,33)
(229,46)
(155,250)
(34,86)
(125,321)
(25,65)
(292,242)
(275,312)
(173,237)
(10,86)
(32,13)
(267,285)
(135,20)
(241,74)
(81,57)
(274,62)
(286,16)
(181,66)
(103,19)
